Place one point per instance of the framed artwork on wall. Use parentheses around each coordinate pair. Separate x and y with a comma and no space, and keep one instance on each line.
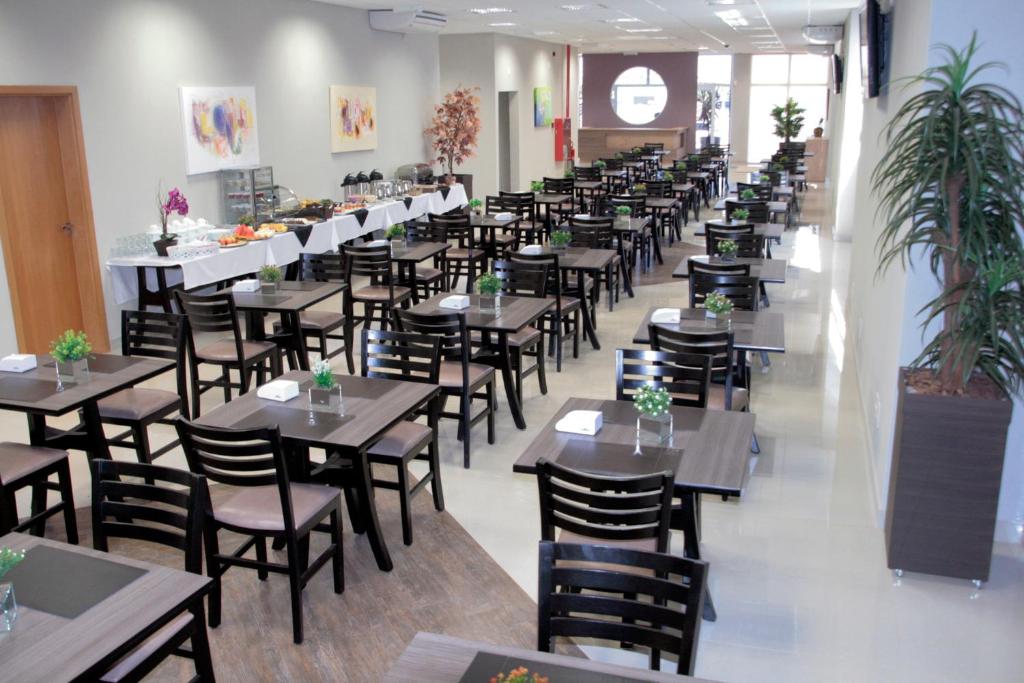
(219,124)
(353,118)
(543,110)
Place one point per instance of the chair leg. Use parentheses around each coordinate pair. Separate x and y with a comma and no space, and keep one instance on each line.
(755,447)
(337,560)
(225,376)
(142,450)
(435,472)
(67,497)
(541,373)
(201,646)
(467,412)
(295,587)
(213,570)
(194,381)
(576,334)
(261,556)
(38,505)
(404,503)
(490,411)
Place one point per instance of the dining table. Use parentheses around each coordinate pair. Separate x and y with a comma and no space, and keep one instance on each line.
(516,313)
(587,189)
(770,231)
(709,452)
(671,206)
(81,610)
(549,201)
(487,226)
(445,659)
(38,394)
(409,255)
(288,301)
(766,270)
(752,330)
(370,407)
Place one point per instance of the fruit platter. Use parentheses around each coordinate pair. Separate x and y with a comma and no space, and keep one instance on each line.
(276,228)
(349,207)
(231,241)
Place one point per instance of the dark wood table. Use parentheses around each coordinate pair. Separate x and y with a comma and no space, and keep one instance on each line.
(412,253)
(670,205)
(766,270)
(709,453)
(35,393)
(752,330)
(689,194)
(771,231)
(549,200)
(371,407)
(488,226)
(633,229)
(444,659)
(585,189)
(773,207)
(290,299)
(517,313)
(44,646)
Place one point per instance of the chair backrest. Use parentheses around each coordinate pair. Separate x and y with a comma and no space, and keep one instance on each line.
(604,507)
(743,235)
(742,290)
(373,262)
(457,227)
(157,335)
(600,229)
(637,203)
(654,145)
(661,611)
(426,232)
(554,275)
(322,267)
(213,313)
(758,210)
(168,507)
(239,457)
(449,328)
(748,246)
(695,265)
(659,188)
(521,278)
(717,345)
(558,185)
(404,356)
(587,173)
(612,164)
(685,376)
(763,192)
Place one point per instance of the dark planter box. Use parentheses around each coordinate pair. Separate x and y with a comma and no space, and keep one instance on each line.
(467,181)
(947,465)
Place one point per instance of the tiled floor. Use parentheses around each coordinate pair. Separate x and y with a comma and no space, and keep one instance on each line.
(797,565)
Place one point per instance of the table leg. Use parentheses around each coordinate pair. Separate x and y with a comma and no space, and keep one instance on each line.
(685,520)
(588,323)
(369,513)
(503,362)
(95,440)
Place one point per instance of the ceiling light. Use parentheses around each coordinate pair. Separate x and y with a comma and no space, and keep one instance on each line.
(729,2)
(642,30)
(622,20)
(573,8)
(733,17)
(490,10)
(503,23)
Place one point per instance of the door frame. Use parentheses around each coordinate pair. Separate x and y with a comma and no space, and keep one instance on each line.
(79,202)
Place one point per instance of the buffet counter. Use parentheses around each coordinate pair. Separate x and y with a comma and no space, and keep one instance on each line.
(127,271)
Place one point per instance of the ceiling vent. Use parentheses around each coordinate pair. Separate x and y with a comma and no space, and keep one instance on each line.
(407,21)
(823,35)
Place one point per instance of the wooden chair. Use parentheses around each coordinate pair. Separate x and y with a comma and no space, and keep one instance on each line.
(564,319)
(321,326)
(458,375)
(216,314)
(168,509)
(264,504)
(562,186)
(149,335)
(597,232)
(637,204)
(742,291)
(639,609)
(466,257)
(763,191)
(510,239)
(590,173)
(430,280)
(380,293)
(406,357)
(22,466)
(743,235)
(758,210)
(525,279)
(518,202)
(685,376)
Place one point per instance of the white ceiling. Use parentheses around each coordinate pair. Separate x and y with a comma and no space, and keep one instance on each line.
(770,25)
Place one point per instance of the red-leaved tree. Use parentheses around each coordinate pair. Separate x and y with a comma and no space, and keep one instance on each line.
(455,127)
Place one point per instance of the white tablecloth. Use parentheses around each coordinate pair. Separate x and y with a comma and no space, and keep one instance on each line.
(279,250)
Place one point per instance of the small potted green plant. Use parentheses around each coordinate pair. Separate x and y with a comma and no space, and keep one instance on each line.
(536,186)
(71,352)
(654,421)
(718,307)
(640,188)
(476,206)
(668,176)
(560,239)
(727,249)
(748,195)
(396,234)
(623,212)
(270,278)
(8,607)
(601,164)
(520,674)
(325,392)
(740,215)
(489,285)
(618,155)
(327,208)
(569,173)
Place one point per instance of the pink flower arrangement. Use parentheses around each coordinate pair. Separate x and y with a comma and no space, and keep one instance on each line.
(176,203)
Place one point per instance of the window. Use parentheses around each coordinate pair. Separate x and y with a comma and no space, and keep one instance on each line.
(774,78)
(714,90)
(639,95)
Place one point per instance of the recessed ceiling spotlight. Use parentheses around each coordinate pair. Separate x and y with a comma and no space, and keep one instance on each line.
(573,8)
(503,23)
(491,10)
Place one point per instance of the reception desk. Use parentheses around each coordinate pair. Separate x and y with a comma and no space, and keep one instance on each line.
(817,165)
(603,143)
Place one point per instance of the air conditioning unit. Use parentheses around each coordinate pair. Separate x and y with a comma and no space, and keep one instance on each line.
(823,34)
(407,21)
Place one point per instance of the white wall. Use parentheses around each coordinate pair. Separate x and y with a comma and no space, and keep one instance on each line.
(740,108)
(845,124)
(883,311)
(129,57)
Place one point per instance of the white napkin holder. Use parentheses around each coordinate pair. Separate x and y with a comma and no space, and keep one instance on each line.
(582,215)
(665,316)
(585,422)
(250,285)
(532,249)
(504,216)
(279,390)
(18,362)
(378,243)
(455,302)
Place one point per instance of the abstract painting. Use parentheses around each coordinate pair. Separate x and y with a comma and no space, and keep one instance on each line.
(543,111)
(353,118)
(220,128)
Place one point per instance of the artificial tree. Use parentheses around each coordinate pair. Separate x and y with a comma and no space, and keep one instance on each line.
(455,127)
(788,119)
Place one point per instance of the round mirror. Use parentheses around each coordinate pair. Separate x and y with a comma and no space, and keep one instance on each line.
(639,95)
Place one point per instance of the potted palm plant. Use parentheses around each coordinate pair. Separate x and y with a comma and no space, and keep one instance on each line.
(788,119)
(951,185)
(455,128)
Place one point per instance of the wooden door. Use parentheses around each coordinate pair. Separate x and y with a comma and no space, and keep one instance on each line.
(46,222)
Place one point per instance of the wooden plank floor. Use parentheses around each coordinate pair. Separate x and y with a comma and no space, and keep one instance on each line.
(444,583)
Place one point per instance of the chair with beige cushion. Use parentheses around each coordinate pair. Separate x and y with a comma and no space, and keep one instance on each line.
(467,257)
(458,375)
(380,296)
(150,335)
(22,466)
(525,279)
(216,314)
(262,504)
(562,321)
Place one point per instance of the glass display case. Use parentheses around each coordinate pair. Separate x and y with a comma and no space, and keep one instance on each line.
(248,192)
